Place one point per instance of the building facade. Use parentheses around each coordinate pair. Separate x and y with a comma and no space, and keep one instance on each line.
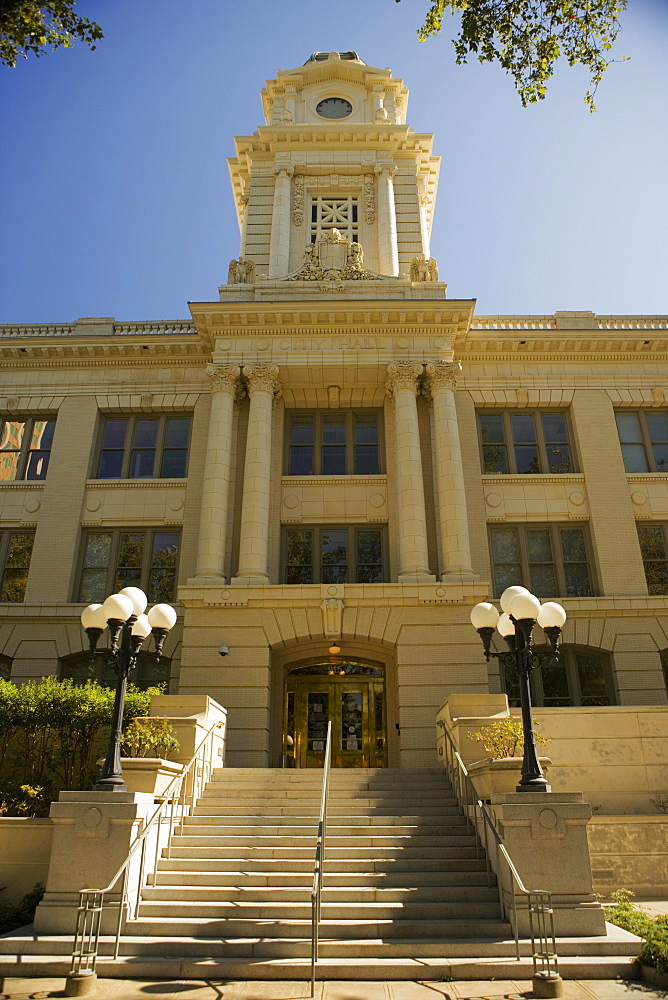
(329,465)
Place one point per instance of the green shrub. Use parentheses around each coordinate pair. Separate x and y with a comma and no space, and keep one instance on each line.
(51,734)
(653,930)
(504,738)
(13,915)
(149,738)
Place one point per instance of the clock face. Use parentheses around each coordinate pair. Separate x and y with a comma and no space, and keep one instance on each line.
(334,107)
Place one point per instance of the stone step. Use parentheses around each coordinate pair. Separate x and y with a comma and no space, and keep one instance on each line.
(293,927)
(383,809)
(287,826)
(335,880)
(204,836)
(298,793)
(362,895)
(281,910)
(444,969)
(389,854)
(197,858)
(194,861)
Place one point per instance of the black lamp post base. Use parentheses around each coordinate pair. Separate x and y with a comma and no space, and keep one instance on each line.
(537,784)
(114,783)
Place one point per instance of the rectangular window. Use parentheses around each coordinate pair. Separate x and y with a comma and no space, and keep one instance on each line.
(25,448)
(643,435)
(144,447)
(654,547)
(551,560)
(526,443)
(15,552)
(334,213)
(334,555)
(333,443)
(579,676)
(114,559)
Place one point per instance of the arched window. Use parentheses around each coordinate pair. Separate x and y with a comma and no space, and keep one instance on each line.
(149,672)
(580,676)
(5,667)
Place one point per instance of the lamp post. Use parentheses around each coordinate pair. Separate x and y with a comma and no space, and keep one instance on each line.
(123,614)
(521,612)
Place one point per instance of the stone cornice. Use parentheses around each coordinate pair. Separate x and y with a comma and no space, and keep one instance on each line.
(501,479)
(135,484)
(354,480)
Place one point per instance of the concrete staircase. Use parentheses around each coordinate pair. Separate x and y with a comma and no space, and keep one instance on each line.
(405,895)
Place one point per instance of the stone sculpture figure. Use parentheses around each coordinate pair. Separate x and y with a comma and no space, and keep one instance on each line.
(241,272)
(423,269)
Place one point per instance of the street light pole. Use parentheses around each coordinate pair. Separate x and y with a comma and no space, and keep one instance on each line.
(521,612)
(123,614)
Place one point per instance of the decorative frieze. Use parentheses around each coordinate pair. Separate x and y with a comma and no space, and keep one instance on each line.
(298,209)
(334,259)
(369,200)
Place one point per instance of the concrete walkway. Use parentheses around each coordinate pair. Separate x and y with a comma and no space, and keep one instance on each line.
(135,989)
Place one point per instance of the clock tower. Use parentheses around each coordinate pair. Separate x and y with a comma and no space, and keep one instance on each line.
(335,153)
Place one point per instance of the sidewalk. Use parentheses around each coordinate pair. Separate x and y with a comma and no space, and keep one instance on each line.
(134,989)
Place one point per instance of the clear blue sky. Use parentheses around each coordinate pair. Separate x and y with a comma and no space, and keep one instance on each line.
(114,189)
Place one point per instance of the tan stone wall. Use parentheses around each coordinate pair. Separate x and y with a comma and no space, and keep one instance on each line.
(25,848)
(629,853)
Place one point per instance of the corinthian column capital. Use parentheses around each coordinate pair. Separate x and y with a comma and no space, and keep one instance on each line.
(262,377)
(402,375)
(442,375)
(223,378)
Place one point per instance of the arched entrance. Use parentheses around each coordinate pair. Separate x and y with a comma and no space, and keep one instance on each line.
(350,693)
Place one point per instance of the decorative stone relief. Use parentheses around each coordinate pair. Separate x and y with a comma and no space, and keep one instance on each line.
(241,272)
(369,200)
(298,212)
(333,258)
(223,378)
(332,617)
(423,269)
(442,375)
(403,375)
(262,377)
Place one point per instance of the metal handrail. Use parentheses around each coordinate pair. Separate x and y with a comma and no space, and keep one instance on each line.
(179,796)
(538,901)
(316,892)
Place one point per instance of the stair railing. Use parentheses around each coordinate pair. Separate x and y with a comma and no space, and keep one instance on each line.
(538,901)
(178,799)
(316,892)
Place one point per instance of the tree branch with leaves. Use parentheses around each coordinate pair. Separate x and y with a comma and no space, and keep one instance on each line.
(527,37)
(30,26)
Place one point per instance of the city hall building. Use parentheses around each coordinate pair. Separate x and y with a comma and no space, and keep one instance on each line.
(332,461)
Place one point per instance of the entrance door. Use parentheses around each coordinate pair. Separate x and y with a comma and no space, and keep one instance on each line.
(352,696)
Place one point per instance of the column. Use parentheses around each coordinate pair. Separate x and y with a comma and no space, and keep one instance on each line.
(453,526)
(279,247)
(224,381)
(388,254)
(402,383)
(424,224)
(263,383)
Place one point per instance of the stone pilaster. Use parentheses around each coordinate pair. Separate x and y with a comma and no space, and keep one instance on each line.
(388,254)
(453,528)
(263,384)
(279,247)
(402,383)
(224,381)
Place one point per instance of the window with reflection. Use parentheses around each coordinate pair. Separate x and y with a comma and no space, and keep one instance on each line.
(144,447)
(580,676)
(25,448)
(334,555)
(112,560)
(15,554)
(527,442)
(643,436)
(550,560)
(148,672)
(5,667)
(653,540)
(333,443)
